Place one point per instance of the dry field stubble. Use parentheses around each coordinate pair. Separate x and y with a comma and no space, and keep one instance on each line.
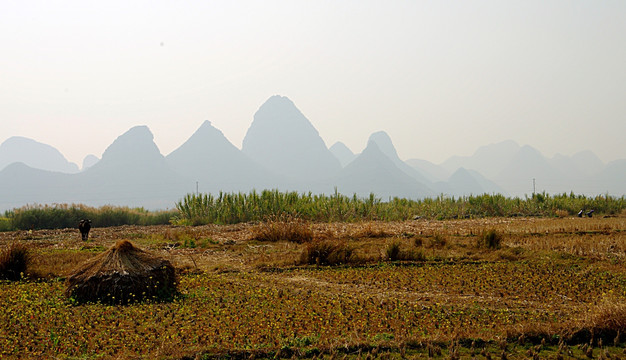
(550,279)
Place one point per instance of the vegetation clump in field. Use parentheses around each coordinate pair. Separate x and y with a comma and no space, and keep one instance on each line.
(123,274)
(283,228)
(327,252)
(605,320)
(14,261)
(489,239)
(395,252)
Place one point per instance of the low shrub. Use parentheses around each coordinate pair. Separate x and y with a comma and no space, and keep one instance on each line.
(394,252)
(490,239)
(561,213)
(5,224)
(14,261)
(283,228)
(438,241)
(327,252)
(608,317)
(606,320)
(418,241)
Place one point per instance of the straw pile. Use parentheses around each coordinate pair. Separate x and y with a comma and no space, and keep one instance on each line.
(121,275)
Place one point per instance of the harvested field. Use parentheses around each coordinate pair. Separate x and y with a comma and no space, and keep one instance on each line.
(554,288)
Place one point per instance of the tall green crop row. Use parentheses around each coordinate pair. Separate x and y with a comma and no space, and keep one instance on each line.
(240,207)
(230,208)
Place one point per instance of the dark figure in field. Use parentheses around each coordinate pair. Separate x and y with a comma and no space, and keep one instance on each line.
(84,226)
(590,213)
(580,213)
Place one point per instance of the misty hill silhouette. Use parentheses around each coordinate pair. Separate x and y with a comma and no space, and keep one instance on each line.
(385,145)
(488,160)
(21,184)
(132,167)
(612,178)
(89,161)
(284,141)
(373,172)
(282,150)
(209,158)
(34,154)
(513,167)
(429,170)
(342,153)
(469,182)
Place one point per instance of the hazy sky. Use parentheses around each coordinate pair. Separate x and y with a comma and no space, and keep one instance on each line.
(440,77)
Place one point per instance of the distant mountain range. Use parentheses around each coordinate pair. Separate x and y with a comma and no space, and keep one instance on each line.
(283,150)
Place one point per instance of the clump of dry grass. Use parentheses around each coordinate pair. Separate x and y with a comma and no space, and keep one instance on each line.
(369,230)
(328,252)
(14,261)
(283,228)
(438,241)
(490,239)
(394,252)
(121,275)
(561,213)
(603,321)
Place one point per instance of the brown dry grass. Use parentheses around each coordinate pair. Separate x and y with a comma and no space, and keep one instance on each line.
(14,261)
(55,252)
(437,280)
(606,320)
(122,274)
(283,228)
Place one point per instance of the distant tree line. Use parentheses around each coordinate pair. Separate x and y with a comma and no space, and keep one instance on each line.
(60,216)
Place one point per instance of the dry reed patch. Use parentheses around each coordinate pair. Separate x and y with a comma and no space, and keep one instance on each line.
(283,228)
(14,261)
(490,239)
(371,230)
(328,252)
(606,320)
(397,250)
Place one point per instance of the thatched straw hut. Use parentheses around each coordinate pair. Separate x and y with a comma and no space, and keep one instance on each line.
(121,275)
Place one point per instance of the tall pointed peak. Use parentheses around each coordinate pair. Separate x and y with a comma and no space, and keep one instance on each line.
(385,144)
(136,143)
(282,139)
(207,127)
(279,111)
(372,146)
(207,140)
